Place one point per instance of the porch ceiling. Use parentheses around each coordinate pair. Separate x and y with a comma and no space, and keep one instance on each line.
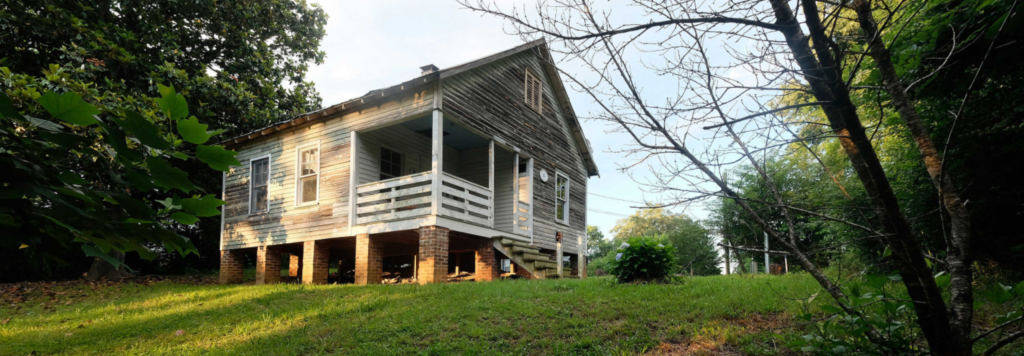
(455,136)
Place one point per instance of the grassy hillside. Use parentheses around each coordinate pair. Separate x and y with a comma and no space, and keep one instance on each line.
(594,316)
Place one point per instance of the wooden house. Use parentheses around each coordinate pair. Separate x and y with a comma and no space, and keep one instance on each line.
(479,170)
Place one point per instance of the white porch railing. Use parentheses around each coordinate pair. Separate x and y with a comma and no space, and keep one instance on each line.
(410,196)
(394,199)
(466,201)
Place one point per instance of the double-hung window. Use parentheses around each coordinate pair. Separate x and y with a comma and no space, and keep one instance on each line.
(562,197)
(307,180)
(259,182)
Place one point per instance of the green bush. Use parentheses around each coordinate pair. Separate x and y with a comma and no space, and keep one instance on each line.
(643,259)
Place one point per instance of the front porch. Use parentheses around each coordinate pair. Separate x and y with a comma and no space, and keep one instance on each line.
(427,166)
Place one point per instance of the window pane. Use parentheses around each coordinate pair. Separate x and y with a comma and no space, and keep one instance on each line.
(260,177)
(259,172)
(309,164)
(259,199)
(560,210)
(308,189)
(390,163)
(560,188)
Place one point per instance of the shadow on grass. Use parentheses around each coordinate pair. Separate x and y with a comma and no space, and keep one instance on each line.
(507,317)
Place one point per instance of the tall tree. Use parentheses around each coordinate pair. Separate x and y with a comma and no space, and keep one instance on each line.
(597,245)
(84,175)
(240,65)
(785,46)
(648,222)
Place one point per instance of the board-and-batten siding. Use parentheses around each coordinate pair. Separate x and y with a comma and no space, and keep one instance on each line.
(490,99)
(285,222)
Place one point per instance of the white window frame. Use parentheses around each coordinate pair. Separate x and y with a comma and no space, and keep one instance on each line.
(298,173)
(270,171)
(539,108)
(568,188)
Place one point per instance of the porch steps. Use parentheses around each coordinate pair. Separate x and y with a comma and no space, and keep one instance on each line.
(527,256)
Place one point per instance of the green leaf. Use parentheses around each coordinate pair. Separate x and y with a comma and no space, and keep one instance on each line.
(1019,289)
(192,131)
(134,207)
(831,309)
(998,294)
(67,140)
(72,178)
(203,207)
(115,138)
(172,104)
(72,193)
(876,281)
(887,252)
(69,107)
(142,129)
(167,176)
(44,124)
(942,280)
(7,107)
(140,180)
(217,157)
(184,218)
(92,251)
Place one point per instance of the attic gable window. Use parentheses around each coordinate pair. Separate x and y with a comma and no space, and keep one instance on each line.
(533,93)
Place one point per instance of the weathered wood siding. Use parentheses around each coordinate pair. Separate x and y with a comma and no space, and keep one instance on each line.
(415,149)
(285,222)
(490,99)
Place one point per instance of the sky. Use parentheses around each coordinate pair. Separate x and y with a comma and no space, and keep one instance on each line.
(379,43)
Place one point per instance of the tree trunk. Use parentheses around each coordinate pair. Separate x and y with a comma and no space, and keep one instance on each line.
(102,269)
(825,79)
(959,258)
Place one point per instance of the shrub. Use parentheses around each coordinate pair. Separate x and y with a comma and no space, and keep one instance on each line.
(643,259)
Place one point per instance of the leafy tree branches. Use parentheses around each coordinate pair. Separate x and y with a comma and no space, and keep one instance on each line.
(99,175)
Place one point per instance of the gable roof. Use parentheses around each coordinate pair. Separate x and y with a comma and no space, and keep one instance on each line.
(378,95)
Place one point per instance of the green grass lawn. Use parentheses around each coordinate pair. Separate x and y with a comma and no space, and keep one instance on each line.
(593,316)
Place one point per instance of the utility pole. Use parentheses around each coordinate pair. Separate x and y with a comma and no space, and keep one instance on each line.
(766,264)
(727,267)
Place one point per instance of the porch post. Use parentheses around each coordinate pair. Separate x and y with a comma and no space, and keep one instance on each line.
(581,263)
(353,178)
(490,183)
(558,256)
(529,171)
(437,150)
(515,194)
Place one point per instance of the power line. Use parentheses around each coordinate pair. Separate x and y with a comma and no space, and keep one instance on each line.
(607,212)
(614,198)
